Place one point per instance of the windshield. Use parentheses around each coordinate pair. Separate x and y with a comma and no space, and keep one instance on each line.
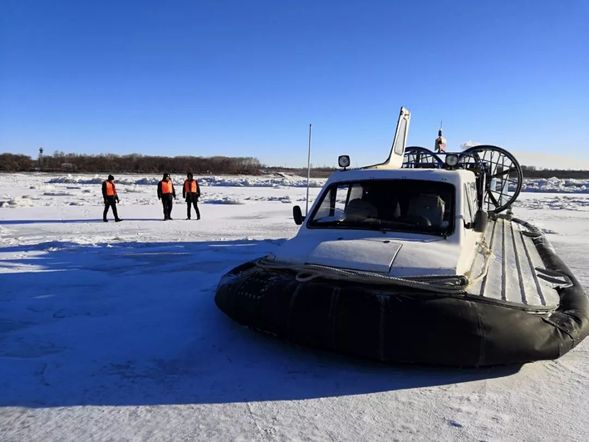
(397,205)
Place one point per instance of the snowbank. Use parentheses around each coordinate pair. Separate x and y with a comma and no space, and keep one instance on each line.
(556,185)
(567,202)
(18,201)
(547,185)
(220,181)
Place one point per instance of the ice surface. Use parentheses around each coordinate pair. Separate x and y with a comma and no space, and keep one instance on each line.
(108,331)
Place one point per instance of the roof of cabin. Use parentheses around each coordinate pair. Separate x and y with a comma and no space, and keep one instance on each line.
(456,177)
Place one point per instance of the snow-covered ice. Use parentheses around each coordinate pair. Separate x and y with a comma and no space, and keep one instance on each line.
(108,331)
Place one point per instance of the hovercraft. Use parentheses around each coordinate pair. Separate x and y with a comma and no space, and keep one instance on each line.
(416,260)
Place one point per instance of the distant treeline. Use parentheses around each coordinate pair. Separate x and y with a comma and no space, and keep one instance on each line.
(134,163)
(533,172)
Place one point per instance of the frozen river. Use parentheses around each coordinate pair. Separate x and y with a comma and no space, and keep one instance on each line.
(109,330)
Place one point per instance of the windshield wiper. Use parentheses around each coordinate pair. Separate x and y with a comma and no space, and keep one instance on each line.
(320,223)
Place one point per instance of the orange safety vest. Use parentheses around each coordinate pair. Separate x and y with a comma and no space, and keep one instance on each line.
(190,186)
(110,189)
(166,187)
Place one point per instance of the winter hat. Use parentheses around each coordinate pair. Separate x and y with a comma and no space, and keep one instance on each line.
(110,177)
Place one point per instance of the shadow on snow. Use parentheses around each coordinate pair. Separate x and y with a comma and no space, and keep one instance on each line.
(136,324)
(69,221)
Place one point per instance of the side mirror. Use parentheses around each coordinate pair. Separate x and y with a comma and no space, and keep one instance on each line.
(297,215)
(480,220)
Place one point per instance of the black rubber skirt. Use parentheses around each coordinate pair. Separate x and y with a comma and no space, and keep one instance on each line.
(401,325)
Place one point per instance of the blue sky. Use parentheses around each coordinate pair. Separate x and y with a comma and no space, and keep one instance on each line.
(245,78)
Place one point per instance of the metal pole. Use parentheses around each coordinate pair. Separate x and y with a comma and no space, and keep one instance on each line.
(308,171)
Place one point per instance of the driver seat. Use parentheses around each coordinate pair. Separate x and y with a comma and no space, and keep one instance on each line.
(359,210)
(428,206)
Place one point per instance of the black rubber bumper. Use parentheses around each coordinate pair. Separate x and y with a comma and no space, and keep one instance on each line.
(401,325)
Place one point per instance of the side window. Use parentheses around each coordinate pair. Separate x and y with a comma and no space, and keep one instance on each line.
(470,210)
(470,195)
(356,191)
(332,207)
(473,197)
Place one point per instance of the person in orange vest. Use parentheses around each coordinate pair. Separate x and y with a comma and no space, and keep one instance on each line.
(440,143)
(166,193)
(191,193)
(109,193)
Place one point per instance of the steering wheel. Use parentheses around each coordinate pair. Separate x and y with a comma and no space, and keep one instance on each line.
(420,220)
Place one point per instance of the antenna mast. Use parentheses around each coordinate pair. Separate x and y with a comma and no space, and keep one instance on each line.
(308,171)
(40,165)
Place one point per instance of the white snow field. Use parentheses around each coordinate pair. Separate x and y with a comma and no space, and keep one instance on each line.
(109,331)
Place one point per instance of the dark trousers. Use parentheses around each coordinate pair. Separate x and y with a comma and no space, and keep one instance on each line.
(192,199)
(110,201)
(167,202)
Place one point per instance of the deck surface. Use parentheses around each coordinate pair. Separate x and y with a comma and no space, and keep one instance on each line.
(511,275)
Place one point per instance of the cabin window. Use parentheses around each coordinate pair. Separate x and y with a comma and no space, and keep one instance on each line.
(469,210)
(333,204)
(470,196)
(395,205)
